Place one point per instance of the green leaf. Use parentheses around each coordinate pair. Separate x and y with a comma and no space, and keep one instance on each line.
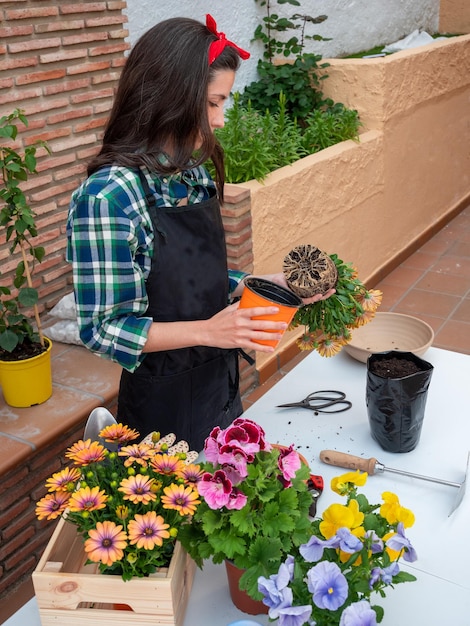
(28,296)
(8,340)
(404,577)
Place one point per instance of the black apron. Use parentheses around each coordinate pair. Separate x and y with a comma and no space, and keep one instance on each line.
(187,391)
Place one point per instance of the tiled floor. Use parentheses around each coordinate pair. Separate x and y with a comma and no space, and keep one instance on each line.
(432,284)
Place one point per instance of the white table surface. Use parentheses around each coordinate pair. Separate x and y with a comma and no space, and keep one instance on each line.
(440,596)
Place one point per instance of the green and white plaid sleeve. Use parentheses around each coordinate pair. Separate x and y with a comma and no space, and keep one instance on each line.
(110,246)
(234,279)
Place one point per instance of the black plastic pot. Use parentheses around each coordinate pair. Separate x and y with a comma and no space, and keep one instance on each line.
(395,405)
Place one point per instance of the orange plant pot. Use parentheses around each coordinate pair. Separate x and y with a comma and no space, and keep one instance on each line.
(261,292)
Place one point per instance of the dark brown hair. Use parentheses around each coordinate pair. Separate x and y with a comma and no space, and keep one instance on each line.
(161,100)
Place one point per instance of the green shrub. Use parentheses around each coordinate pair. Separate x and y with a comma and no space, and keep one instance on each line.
(297,80)
(255,144)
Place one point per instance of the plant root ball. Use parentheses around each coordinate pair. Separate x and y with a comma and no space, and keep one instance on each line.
(309,271)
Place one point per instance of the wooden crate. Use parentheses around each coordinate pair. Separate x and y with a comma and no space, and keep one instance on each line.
(72,593)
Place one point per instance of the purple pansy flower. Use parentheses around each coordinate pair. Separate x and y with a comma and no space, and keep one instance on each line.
(295,616)
(399,542)
(385,575)
(328,585)
(358,614)
(376,544)
(275,589)
(348,542)
(312,551)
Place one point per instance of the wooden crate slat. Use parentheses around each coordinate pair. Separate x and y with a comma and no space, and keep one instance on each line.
(68,594)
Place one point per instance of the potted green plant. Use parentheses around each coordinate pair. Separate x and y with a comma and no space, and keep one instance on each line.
(254,508)
(25,368)
(353,554)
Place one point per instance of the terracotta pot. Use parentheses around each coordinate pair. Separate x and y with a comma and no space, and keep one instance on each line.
(240,598)
(261,292)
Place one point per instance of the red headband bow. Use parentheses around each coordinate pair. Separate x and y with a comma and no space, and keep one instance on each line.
(216,47)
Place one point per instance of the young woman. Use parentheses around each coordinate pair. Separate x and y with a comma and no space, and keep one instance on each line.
(146,240)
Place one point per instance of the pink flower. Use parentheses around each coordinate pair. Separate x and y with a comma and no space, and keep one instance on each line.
(236,458)
(233,474)
(245,434)
(289,464)
(211,446)
(215,489)
(237,499)
(235,445)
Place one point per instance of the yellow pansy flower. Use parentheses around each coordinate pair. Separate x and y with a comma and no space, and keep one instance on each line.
(339,516)
(339,484)
(394,512)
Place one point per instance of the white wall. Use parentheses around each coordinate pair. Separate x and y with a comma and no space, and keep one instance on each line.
(352,25)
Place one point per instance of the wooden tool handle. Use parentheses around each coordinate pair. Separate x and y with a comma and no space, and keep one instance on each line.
(349,461)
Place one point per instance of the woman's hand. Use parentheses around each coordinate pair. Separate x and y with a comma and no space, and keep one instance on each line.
(234,327)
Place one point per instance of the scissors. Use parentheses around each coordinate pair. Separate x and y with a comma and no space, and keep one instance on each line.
(324,401)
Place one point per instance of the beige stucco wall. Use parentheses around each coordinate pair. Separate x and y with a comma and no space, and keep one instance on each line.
(369,201)
(454,16)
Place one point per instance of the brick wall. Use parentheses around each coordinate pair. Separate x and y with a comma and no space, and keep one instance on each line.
(59,62)
(23,537)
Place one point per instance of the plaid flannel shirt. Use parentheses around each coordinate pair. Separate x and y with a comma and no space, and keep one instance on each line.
(110,245)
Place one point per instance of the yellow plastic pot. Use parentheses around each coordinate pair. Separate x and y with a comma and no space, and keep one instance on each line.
(29,381)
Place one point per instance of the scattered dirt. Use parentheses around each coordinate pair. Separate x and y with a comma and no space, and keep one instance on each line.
(394,368)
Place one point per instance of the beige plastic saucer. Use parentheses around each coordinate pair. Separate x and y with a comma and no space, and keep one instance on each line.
(390,331)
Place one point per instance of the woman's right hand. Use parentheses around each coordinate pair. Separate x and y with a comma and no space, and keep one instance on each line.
(234,327)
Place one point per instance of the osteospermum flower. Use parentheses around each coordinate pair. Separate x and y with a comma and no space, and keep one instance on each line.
(138,488)
(86,452)
(364,318)
(148,530)
(191,473)
(106,543)
(118,433)
(64,480)
(52,505)
(370,300)
(87,499)
(328,346)
(181,498)
(137,453)
(306,341)
(166,464)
